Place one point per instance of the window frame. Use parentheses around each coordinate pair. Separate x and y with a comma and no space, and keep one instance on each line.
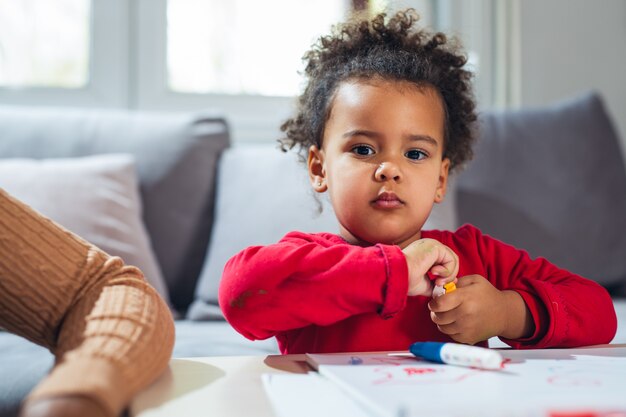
(252,117)
(107,80)
(492,29)
(128,67)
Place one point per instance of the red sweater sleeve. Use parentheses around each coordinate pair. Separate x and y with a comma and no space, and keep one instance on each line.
(308,279)
(567,309)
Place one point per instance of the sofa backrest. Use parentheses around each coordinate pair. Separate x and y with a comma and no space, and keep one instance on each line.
(176,158)
(551,180)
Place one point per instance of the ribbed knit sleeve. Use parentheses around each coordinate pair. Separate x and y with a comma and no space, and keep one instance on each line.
(109,330)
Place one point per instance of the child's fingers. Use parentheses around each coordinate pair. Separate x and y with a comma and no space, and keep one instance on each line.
(447,302)
(443,281)
(442,275)
(450,261)
(446,265)
(444,317)
(440,271)
(449,329)
(468,280)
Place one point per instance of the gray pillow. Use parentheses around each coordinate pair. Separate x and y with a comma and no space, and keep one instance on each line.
(552,181)
(176,158)
(262,194)
(95,197)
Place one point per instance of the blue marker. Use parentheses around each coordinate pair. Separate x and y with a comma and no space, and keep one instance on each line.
(457,354)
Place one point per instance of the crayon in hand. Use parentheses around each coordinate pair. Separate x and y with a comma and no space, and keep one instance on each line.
(440,290)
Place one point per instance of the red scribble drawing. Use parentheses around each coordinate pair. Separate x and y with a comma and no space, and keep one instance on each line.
(506,363)
(566,380)
(420,376)
(386,377)
(587,413)
(418,371)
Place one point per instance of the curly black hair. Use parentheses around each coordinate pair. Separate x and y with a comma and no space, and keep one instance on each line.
(390,49)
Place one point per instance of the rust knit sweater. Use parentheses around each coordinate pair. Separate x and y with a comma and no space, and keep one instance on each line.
(109,330)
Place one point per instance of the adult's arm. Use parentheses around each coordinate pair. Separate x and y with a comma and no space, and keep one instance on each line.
(109,330)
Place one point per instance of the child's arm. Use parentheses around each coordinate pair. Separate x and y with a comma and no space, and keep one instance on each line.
(528,303)
(319,280)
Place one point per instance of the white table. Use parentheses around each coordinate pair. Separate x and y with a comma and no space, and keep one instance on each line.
(232,386)
(226,386)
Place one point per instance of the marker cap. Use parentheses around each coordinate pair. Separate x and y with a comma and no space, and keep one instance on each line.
(428,350)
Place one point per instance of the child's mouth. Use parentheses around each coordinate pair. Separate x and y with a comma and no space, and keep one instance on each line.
(387,200)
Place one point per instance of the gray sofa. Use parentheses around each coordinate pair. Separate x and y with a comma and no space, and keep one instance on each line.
(550,180)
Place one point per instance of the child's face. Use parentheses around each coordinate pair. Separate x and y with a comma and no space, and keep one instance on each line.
(381,160)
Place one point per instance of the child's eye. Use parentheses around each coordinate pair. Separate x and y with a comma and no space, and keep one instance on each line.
(416,154)
(363,150)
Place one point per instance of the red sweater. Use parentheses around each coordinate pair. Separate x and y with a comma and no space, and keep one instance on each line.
(318,293)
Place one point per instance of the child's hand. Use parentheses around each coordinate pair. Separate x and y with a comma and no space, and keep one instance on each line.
(429,255)
(477,311)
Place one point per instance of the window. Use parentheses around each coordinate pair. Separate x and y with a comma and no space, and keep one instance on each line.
(243,46)
(239,57)
(242,57)
(64,52)
(44,43)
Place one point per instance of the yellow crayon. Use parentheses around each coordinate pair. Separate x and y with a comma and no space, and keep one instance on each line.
(450,286)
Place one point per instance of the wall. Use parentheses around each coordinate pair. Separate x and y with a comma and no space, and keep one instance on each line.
(568,46)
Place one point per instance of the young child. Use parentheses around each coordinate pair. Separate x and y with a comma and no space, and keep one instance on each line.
(387,113)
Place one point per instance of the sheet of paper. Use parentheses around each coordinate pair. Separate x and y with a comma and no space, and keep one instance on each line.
(309,395)
(533,383)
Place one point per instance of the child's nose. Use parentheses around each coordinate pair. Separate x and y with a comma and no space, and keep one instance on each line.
(388,171)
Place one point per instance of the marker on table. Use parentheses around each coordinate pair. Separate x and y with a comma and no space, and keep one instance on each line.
(457,354)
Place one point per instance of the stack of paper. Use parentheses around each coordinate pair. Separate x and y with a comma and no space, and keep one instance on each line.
(531,384)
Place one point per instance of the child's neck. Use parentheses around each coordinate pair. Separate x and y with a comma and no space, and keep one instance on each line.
(357,241)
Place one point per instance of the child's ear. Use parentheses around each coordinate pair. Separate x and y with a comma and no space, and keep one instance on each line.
(440,193)
(317,173)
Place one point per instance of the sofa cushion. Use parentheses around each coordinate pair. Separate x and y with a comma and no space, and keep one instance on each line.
(95,197)
(217,338)
(23,365)
(262,194)
(552,181)
(176,158)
